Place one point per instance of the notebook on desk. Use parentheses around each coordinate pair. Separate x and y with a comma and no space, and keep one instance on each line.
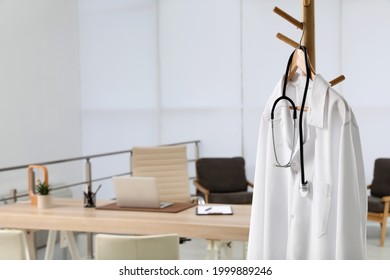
(133,192)
(214,210)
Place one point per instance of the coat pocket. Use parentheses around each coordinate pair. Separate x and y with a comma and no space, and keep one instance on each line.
(322,200)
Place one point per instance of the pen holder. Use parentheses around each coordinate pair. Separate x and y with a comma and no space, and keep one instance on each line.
(90,199)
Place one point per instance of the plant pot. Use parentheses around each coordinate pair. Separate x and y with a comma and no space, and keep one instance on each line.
(44,201)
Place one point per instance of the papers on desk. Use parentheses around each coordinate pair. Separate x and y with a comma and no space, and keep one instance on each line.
(214,210)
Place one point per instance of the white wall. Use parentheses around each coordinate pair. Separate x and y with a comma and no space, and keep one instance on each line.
(119,80)
(118,58)
(39,88)
(365,61)
(200,52)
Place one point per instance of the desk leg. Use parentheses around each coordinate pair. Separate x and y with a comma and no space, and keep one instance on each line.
(90,255)
(210,252)
(72,245)
(213,250)
(70,242)
(30,237)
(50,245)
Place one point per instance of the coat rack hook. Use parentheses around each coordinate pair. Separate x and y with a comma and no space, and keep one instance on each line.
(337,80)
(289,18)
(287,40)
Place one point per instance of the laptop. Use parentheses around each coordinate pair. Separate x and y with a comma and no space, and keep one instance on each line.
(138,192)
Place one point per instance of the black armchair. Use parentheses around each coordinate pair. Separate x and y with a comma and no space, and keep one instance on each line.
(379,200)
(223,180)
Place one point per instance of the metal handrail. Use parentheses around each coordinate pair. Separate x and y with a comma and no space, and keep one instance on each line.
(62,160)
(196,142)
(14,196)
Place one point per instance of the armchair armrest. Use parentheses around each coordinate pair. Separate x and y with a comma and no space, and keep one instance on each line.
(250,184)
(386,201)
(369,187)
(202,189)
(386,198)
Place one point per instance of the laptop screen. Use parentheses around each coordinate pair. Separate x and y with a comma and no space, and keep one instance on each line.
(136,192)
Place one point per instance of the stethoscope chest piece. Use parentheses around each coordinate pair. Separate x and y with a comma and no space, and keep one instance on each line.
(304,189)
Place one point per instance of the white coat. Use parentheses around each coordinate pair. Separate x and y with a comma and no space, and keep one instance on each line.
(330,223)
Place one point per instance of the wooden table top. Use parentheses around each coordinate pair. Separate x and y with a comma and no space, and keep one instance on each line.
(70,215)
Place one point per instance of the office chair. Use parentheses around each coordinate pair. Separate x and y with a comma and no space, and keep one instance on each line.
(126,247)
(379,200)
(169,165)
(13,245)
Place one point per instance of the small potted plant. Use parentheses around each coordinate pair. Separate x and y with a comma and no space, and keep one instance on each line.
(44,198)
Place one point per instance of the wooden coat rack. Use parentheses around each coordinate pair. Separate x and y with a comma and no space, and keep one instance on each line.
(308,28)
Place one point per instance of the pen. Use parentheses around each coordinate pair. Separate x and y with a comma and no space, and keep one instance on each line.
(97,189)
(207,209)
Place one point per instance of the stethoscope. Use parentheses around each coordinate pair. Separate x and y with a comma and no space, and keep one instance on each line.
(304,186)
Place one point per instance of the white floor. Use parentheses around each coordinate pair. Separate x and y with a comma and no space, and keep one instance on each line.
(374,251)
(196,249)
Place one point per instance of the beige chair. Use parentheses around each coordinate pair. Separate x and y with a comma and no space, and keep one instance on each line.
(168,164)
(126,247)
(13,245)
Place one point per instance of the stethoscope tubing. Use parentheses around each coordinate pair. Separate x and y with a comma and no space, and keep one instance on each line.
(300,126)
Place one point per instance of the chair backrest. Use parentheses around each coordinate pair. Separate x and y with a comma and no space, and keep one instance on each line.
(13,245)
(151,247)
(168,164)
(381,183)
(220,175)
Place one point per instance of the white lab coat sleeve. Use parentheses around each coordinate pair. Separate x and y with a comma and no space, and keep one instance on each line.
(351,196)
(256,230)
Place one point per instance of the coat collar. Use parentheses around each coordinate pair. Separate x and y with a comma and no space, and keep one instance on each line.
(318,90)
(316,113)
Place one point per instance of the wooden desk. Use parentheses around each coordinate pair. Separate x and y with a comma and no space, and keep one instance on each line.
(70,215)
